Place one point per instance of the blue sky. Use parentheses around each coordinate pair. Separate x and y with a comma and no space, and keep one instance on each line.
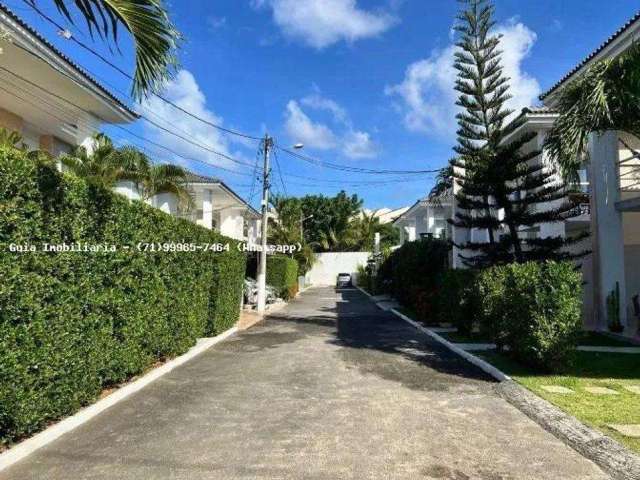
(366,83)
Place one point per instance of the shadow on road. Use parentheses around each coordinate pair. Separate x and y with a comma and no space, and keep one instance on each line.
(379,343)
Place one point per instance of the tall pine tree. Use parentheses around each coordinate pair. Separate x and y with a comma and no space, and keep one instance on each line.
(504,188)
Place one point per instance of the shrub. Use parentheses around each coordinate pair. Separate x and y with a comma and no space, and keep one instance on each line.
(282,274)
(413,273)
(73,323)
(534,309)
(458,299)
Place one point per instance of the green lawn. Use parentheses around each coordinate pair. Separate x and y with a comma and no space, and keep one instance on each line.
(612,370)
(596,339)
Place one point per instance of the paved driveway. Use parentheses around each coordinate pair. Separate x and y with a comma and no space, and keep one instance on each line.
(332,388)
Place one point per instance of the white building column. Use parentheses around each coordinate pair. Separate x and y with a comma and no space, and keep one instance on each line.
(207,209)
(606,225)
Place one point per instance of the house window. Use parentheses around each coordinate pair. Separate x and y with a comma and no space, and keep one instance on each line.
(199,214)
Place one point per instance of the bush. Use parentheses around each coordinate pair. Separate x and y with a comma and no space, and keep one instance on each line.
(413,273)
(458,299)
(534,309)
(75,322)
(282,274)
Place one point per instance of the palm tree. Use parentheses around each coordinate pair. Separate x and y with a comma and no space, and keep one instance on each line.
(287,229)
(605,97)
(154,36)
(11,139)
(105,165)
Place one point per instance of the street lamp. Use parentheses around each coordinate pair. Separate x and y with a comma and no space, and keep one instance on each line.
(298,146)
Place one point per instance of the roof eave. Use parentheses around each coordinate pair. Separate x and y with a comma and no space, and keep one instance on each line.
(617,43)
(74,71)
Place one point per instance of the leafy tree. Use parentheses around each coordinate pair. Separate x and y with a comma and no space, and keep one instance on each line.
(329,220)
(287,229)
(154,36)
(105,165)
(605,97)
(363,231)
(503,187)
(443,182)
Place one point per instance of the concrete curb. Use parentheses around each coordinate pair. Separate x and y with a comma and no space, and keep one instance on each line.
(364,291)
(30,445)
(478,362)
(611,456)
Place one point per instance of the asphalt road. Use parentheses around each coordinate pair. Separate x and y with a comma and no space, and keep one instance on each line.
(331,388)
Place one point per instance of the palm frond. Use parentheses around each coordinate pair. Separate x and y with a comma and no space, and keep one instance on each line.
(154,35)
(605,97)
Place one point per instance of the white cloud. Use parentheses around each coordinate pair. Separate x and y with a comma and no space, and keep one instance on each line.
(185,92)
(318,102)
(427,96)
(321,23)
(359,145)
(352,143)
(301,128)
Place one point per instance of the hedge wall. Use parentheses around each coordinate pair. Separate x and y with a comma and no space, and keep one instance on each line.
(413,273)
(73,323)
(282,274)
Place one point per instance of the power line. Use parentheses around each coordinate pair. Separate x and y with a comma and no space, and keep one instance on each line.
(219,127)
(284,187)
(127,75)
(116,125)
(348,168)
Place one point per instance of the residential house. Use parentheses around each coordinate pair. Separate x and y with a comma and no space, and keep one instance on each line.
(51,101)
(214,206)
(386,215)
(56,105)
(610,188)
(426,218)
(614,197)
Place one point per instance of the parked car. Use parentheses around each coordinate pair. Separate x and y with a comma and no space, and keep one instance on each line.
(344,280)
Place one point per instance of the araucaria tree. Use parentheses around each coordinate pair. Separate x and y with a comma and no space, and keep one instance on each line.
(504,188)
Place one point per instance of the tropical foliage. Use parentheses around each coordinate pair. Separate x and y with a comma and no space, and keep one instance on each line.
(502,190)
(605,97)
(327,224)
(287,229)
(154,36)
(73,322)
(104,165)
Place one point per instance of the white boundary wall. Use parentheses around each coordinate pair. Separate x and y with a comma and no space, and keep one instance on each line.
(328,265)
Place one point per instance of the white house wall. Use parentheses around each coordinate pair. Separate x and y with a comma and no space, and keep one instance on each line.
(328,265)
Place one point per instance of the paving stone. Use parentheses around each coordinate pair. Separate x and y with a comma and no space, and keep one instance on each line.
(557,389)
(633,389)
(632,431)
(601,391)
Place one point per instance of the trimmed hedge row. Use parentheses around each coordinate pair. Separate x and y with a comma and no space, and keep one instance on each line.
(282,274)
(412,274)
(532,311)
(73,323)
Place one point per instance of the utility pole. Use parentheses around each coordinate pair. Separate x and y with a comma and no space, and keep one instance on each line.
(267,144)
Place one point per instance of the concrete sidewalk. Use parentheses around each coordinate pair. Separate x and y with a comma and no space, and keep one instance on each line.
(330,388)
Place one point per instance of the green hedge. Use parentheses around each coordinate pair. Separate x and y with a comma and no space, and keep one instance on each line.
(458,299)
(282,274)
(534,309)
(73,323)
(413,273)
